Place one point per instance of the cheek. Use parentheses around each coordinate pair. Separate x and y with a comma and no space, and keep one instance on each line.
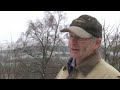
(69,44)
(85,47)
(89,48)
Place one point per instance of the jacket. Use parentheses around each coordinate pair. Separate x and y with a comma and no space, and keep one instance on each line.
(93,67)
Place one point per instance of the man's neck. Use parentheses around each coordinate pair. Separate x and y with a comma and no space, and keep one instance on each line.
(79,61)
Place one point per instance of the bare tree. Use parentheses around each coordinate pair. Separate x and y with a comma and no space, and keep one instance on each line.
(41,42)
(7,64)
(111,45)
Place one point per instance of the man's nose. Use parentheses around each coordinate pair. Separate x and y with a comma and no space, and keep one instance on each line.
(74,40)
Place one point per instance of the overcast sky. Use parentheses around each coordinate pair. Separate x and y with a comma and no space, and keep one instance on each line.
(12,23)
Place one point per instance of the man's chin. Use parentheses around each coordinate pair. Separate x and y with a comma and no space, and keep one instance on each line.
(75,56)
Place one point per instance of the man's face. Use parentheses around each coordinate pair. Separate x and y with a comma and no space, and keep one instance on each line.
(81,47)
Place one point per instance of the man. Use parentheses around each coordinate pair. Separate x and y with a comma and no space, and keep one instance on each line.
(85,35)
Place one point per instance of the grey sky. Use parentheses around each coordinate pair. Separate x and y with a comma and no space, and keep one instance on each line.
(12,23)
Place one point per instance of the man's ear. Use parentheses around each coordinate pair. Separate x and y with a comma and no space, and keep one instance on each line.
(98,42)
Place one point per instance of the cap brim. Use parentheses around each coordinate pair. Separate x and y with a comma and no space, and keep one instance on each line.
(77,31)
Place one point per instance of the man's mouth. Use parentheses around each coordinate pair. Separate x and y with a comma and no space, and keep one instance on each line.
(73,49)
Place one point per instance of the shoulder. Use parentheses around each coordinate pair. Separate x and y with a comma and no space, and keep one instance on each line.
(106,70)
(62,73)
(108,67)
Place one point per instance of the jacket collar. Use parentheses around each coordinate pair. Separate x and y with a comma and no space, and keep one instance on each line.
(89,63)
